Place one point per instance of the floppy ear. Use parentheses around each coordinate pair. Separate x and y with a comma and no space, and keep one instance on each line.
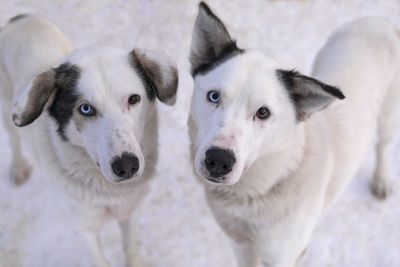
(211,42)
(31,103)
(308,94)
(158,74)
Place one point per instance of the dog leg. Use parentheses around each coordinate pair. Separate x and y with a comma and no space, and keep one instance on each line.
(245,255)
(388,123)
(131,247)
(380,185)
(93,242)
(20,169)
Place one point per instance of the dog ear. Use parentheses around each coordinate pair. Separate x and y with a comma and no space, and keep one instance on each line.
(33,99)
(41,92)
(158,74)
(211,41)
(308,94)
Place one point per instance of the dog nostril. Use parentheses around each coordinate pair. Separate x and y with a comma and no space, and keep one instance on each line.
(125,166)
(219,162)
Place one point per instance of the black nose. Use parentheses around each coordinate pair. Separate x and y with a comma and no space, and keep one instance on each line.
(125,166)
(219,161)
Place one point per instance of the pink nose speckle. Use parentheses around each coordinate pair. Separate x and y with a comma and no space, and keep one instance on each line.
(226,141)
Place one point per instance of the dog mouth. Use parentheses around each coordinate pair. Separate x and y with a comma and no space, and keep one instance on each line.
(218,180)
(221,180)
(126,181)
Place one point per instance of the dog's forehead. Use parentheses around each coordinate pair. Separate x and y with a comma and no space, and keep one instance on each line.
(105,72)
(251,72)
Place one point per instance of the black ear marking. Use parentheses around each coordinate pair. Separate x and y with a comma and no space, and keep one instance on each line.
(211,42)
(308,94)
(158,74)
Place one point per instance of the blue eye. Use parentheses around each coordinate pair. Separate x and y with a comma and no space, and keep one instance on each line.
(213,97)
(87,110)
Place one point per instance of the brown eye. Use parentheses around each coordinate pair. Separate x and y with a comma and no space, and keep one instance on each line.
(133,99)
(263,113)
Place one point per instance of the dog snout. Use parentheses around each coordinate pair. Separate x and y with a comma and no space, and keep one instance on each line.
(125,166)
(219,162)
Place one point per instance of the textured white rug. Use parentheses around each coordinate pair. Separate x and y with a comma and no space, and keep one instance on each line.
(176,226)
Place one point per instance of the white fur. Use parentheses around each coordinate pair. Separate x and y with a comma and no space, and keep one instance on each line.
(287,173)
(32,45)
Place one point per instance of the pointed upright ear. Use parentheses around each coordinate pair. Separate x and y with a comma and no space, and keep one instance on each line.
(211,42)
(33,99)
(158,74)
(308,94)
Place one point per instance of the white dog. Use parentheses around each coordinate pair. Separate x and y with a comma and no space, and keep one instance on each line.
(94,120)
(277,147)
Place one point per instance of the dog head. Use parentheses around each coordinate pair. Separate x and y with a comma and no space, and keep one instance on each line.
(244,105)
(100,99)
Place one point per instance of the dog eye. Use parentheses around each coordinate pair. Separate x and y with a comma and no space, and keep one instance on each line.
(133,99)
(263,113)
(87,110)
(213,96)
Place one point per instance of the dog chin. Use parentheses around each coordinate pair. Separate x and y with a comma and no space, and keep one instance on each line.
(221,181)
(112,179)
(218,181)
(117,180)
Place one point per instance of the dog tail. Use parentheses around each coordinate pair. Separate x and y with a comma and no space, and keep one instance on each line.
(18,17)
(15,18)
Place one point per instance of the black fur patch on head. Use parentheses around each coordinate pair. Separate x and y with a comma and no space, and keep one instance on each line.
(308,94)
(211,42)
(149,85)
(18,17)
(62,107)
(228,52)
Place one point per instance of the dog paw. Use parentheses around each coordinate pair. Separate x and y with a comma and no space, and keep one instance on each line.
(380,188)
(20,172)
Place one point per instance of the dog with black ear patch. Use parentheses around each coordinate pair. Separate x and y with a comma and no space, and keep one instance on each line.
(273,147)
(92,118)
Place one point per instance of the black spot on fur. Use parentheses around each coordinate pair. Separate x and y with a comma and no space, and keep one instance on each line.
(62,107)
(228,52)
(146,80)
(18,17)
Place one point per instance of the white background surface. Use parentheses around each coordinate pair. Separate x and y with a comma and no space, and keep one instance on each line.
(176,228)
